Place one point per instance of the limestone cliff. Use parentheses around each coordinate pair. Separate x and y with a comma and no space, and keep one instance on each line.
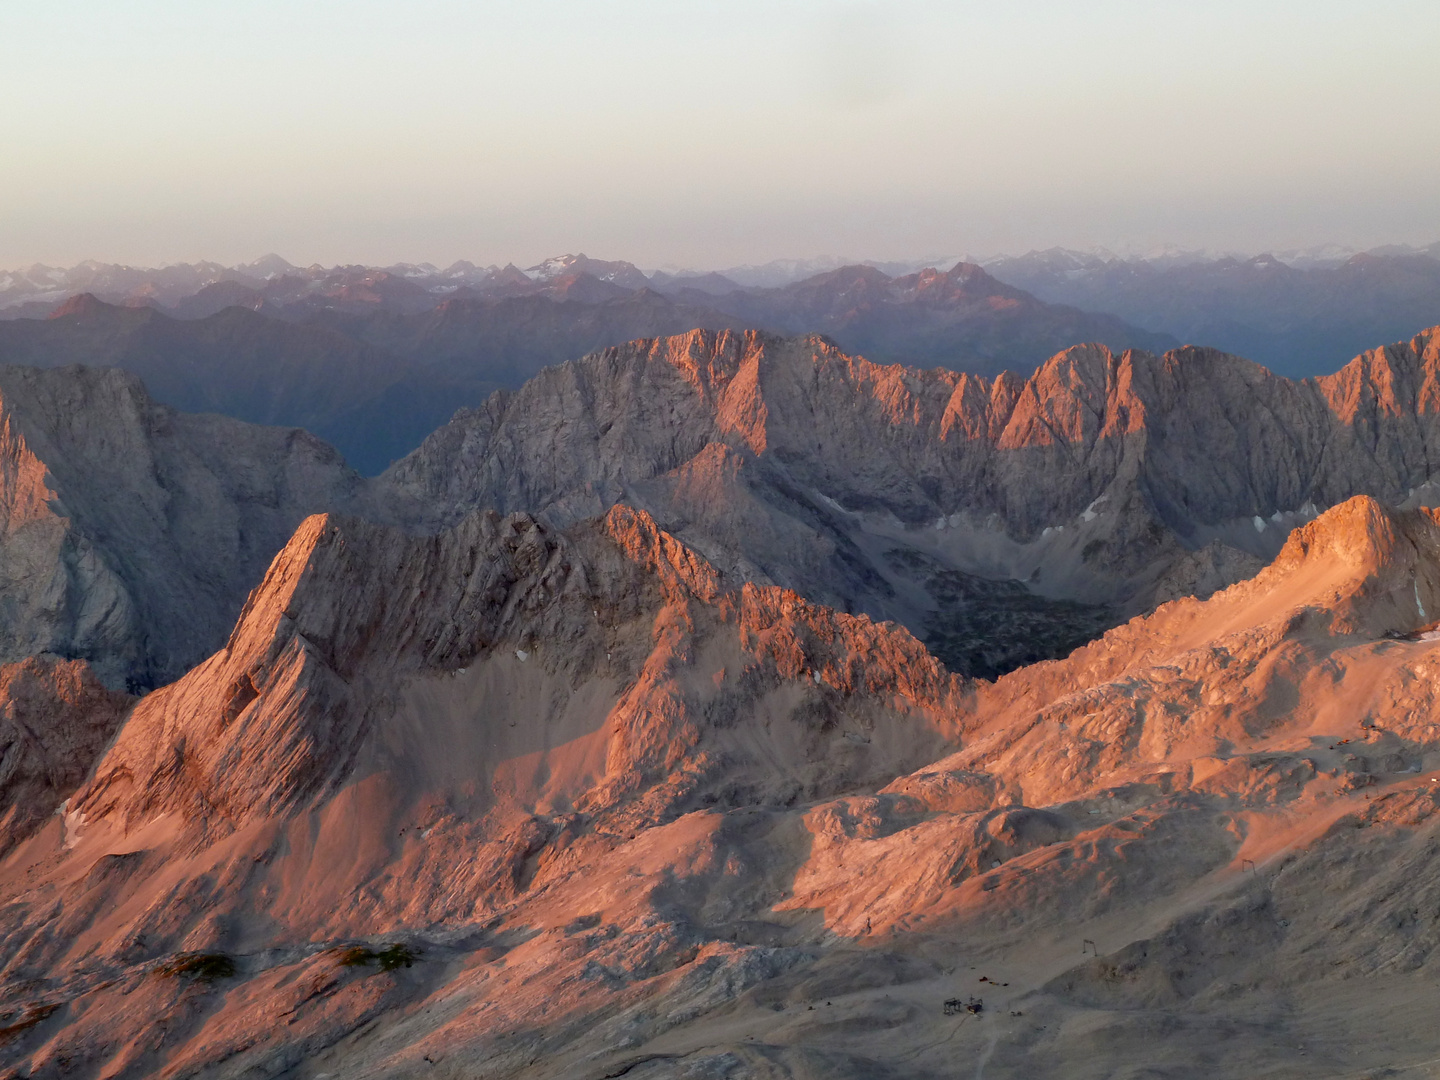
(130,533)
(880,489)
(55,719)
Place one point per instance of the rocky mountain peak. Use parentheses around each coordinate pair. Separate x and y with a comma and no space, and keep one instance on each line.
(1394,381)
(86,306)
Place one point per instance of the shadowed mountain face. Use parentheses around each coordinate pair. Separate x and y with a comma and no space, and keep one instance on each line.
(1296,321)
(373,360)
(627,726)
(130,533)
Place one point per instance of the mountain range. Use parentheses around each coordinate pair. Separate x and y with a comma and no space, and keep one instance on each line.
(513,800)
(372,361)
(427,340)
(716,704)
(1003,522)
(1298,320)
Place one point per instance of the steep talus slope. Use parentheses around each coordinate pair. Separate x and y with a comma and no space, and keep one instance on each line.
(631,816)
(1104,479)
(131,532)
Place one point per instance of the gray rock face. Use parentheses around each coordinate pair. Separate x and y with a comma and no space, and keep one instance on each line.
(55,718)
(1203,437)
(131,533)
(513,801)
(789,461)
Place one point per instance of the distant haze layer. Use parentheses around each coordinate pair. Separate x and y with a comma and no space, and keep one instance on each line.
(706,134)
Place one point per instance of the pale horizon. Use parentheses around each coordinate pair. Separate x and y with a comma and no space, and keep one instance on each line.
(712,135)
(1314,251)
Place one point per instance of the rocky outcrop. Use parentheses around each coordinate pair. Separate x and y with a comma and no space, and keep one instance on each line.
(131,533)
(1204,438)
(570,793)
(1002,522)
(55,719)
(350,614)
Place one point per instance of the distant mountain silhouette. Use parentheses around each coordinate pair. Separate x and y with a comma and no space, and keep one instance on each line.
(372,360)
(1295,321)
(243,364)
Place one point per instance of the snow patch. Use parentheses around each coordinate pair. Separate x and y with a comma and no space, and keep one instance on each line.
(1259,523)
(1090,513)
(521,655)
(70,820)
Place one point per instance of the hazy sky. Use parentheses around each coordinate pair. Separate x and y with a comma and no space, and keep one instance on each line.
(708,134)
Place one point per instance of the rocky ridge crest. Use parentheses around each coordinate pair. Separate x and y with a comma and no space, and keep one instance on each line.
(863,486)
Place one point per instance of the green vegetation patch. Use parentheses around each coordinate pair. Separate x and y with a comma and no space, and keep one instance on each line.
(207,967)
(389,958)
